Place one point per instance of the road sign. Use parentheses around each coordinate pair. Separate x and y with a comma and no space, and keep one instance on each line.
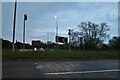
(61,39)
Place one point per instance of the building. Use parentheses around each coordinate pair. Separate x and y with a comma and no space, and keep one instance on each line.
(36,44)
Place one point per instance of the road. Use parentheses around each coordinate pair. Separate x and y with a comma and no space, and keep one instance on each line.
(60,69)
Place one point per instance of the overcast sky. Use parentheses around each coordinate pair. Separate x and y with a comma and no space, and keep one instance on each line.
(41,18)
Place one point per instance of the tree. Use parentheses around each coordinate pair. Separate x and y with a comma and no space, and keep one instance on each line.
(104,47)
(114,43)
(90,34)
(19,45)
(6,44)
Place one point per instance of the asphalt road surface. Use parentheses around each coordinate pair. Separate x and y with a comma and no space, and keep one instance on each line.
(60,69)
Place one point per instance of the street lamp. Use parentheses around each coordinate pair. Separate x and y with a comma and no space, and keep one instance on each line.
(69,33)
(25,18)
(14,26)
(56,18)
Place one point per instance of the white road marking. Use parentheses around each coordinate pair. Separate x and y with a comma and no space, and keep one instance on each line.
(38,67)
(81,72)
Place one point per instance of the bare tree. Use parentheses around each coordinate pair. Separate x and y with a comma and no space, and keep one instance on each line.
(90,34)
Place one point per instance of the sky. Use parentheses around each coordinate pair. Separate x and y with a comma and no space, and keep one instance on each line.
(41,24)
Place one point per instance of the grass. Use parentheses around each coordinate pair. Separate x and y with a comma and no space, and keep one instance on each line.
(7,54)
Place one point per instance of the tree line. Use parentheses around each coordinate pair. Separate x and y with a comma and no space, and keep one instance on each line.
(113,44)
(88,36)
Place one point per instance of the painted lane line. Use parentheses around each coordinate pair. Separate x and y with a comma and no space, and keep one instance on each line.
(82,72)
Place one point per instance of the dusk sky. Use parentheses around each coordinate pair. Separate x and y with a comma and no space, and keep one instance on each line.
(41,18)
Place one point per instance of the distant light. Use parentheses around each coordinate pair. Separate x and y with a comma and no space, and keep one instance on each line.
(35,49)
(55,17)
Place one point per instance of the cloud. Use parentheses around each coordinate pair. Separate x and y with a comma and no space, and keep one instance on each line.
(70,15)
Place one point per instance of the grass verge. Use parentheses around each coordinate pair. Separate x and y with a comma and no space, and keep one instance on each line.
(7,54)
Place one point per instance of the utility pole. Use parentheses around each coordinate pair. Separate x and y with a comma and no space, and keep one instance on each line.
(13,47)
(25,18)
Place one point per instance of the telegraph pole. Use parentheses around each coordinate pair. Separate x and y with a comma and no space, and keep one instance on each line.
(25,18)
(13,47)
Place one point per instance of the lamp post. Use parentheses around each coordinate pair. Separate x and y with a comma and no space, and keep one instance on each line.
(69,33)
(56,18)
(13,47)
(25,18)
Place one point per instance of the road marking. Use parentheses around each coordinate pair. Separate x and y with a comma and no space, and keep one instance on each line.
(83,72)
(38,67)
(35,63)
